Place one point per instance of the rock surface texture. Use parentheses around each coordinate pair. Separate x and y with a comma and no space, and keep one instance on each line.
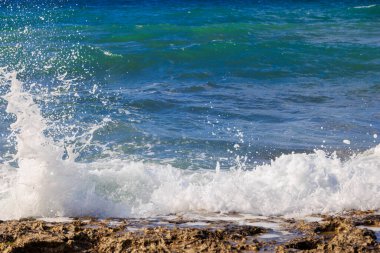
(350,232)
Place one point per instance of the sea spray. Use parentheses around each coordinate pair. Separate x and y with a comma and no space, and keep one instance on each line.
(43,183)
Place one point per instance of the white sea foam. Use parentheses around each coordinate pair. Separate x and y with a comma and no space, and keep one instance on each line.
(365,6)
(44,184)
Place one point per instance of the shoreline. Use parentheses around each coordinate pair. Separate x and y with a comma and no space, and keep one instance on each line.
(354,231)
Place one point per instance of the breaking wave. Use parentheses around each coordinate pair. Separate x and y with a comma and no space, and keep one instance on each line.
(45,179)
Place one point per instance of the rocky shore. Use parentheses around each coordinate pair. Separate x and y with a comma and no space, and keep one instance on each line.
(347,232)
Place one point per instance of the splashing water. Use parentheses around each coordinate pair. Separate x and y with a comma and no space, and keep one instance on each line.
(43,183)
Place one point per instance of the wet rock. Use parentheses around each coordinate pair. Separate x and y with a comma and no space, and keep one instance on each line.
(332,234)
(76,236)
(335,234)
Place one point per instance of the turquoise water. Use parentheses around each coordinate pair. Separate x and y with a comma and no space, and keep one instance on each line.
(195,84)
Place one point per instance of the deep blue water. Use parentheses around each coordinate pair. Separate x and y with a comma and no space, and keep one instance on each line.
(191,83)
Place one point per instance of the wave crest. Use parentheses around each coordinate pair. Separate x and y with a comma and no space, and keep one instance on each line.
(44,184)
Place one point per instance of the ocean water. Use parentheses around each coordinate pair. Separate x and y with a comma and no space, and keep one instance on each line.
(145,108)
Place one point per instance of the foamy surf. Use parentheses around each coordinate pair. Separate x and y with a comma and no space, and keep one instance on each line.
(43,183)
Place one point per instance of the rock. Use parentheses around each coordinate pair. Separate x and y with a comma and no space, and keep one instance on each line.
(335,234)
(77,236)
(332,234)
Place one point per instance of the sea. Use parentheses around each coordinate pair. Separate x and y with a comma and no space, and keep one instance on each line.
(147,108)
